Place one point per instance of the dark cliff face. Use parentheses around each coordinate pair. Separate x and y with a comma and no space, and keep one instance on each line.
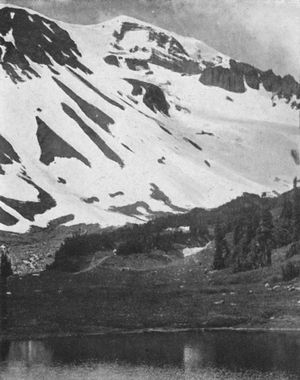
(36,38)
(222,77)
(234,79)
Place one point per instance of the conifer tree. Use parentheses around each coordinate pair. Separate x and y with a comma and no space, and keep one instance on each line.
(287,210)
(264,236)
(296,213)
(295,246)
(220,248)
(198,228)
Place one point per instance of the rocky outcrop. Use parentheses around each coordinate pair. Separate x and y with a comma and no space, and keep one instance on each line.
(29,209)
(133,209)
(284,87)
(159,195)
(90,200)
(116,194)
(174,57)
(100,143)
(154,97)
(137,64)
(162,39)
(96,90)
(178,64)
(234,79)
(250,73)
(7,219)
(7,154)
(92,112)
(195,145)
(111,60)
(227,79)
(53,146)
(36,39)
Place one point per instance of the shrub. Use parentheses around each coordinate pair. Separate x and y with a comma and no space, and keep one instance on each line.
(290,271)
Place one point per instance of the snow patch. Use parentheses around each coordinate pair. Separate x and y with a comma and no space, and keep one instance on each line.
(8,37)
(48,26)
(194,250)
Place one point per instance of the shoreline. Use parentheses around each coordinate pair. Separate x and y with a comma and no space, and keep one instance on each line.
(158,330)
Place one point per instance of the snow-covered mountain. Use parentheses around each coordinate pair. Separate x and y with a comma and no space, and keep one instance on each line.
(117,122)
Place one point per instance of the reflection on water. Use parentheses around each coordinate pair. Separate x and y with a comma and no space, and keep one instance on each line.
(4,350)
(213,355)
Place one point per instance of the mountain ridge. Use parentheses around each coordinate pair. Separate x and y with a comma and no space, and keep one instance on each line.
(142,119)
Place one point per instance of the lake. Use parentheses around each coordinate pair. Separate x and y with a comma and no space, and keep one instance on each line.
(214,355)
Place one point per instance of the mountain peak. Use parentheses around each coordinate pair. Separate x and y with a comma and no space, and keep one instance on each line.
(126,18)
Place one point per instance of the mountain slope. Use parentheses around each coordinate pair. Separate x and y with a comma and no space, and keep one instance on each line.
(118,122)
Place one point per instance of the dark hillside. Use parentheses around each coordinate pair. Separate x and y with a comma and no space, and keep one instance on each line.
(242,223)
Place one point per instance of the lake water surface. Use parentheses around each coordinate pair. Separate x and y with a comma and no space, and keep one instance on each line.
(194,355)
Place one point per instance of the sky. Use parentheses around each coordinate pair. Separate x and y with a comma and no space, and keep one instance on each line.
(265,33)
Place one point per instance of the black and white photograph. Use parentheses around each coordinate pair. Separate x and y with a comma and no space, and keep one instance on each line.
(149,189)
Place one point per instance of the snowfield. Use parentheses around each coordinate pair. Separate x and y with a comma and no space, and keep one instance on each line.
(213,146)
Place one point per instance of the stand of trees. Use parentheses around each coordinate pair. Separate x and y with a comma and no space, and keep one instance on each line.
(256,229)
(159,234)
(246,230)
